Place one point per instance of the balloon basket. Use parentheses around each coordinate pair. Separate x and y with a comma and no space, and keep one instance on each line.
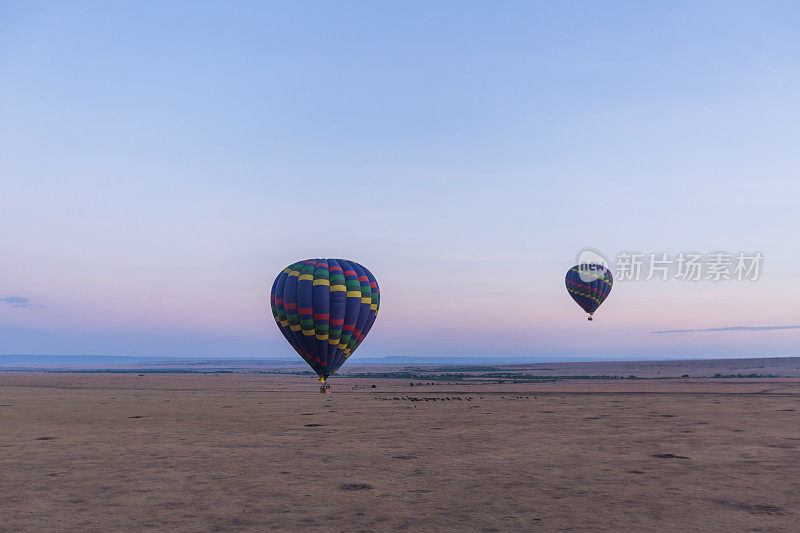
(325,389)
(590,319)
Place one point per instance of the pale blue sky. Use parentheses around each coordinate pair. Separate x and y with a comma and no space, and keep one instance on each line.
(161,162)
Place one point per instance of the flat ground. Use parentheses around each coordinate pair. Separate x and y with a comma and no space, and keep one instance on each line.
(124,452)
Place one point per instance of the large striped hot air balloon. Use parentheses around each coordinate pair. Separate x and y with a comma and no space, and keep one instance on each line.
(325,308)
(589,285)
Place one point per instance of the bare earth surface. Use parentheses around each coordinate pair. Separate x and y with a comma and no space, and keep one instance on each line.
(124,452)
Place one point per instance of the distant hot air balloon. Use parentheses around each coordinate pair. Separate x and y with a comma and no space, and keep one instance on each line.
(589,285)
(325,308)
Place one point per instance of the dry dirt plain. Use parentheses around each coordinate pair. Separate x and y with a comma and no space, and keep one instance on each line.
(184,452)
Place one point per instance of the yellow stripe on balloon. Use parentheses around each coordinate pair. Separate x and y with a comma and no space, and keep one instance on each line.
(322,282)
(306,277)
(295,327)
(354,294)
(338,288)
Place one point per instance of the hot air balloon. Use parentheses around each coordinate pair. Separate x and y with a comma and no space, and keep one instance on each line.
(325,308)
(589,285)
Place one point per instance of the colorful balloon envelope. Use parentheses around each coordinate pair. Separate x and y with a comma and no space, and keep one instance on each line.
(589,285)
(325,308)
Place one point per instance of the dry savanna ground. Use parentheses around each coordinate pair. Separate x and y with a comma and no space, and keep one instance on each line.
(126,452)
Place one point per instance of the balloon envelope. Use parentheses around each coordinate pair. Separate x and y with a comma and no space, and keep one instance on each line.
(325,308)
(589,285)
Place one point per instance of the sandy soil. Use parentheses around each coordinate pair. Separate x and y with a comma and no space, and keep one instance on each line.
(123,452)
